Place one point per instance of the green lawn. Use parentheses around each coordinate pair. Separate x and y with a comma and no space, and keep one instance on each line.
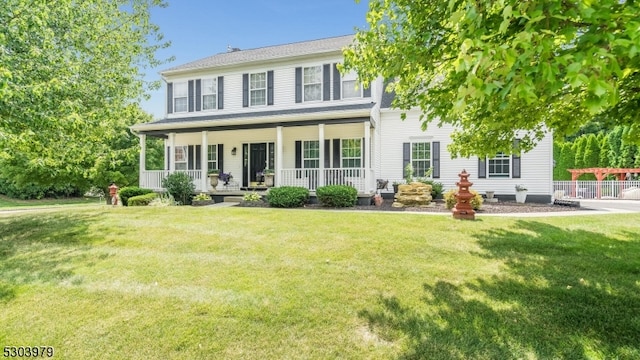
(253,283)
(9,203)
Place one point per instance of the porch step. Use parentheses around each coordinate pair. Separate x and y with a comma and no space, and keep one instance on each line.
(236,199)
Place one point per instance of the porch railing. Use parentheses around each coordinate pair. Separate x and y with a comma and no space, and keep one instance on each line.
(610,189)
(314,178)
(152,179)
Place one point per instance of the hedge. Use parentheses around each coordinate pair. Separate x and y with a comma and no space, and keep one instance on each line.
(337,195)
(131,191)
(142,200)
(288,196)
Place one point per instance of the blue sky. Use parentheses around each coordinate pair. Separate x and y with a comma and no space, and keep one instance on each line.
(201,28)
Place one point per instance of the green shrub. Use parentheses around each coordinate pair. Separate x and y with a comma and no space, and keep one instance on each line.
(163,200)
(450,199)
(252,197)
(288,196)
(142,200)
(436,187)
(180,186)
(202,197)
(130,191)
(337,195)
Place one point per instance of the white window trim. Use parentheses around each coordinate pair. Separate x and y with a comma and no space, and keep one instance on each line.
(305,158)
(342,158)
(501,175)
(318,83)
(186,96)
(184,159)
(209,160)
(349,78)
(264,89)
(411,159)
(203,94)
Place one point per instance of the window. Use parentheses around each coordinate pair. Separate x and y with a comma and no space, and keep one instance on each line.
(499,166)
(209,94)
(311,154)
(181,158)
(212,157)
(312,83)
(180,97)
(350,87)
(258,89)
(420,158)
(351,153)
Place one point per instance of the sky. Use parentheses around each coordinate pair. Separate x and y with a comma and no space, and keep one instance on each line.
(201,28)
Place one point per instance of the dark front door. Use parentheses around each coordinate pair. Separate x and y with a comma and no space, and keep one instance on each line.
(257,162)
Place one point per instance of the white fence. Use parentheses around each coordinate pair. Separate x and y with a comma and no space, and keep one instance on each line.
(610,189)
(152,179)
(314,178)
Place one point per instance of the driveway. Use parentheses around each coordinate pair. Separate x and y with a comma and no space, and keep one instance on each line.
(611,205)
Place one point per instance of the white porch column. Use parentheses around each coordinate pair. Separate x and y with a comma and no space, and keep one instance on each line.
(172,152)
(143,158)
(204,157)
(321,149)
(279,156)
(368,179)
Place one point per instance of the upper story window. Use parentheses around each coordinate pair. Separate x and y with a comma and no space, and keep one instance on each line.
(499,166)
(258,89)
(209,88)
(350,86)
(312,83)
(180,97)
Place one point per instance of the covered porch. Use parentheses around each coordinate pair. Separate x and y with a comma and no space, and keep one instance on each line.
(306,155)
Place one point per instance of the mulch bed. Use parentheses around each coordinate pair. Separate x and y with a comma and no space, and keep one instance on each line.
(502,207)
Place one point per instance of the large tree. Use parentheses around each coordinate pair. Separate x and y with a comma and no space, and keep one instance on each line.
(71,77)
(497,69)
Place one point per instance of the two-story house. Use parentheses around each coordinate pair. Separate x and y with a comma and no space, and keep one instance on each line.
(288,108)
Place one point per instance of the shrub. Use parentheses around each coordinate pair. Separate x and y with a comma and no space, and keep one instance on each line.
(337,195)
(288,196)
(180,186)
(450,199)
(130,191)
(252,197)
(202,197)
(436,187)
(163,200)
(142,200)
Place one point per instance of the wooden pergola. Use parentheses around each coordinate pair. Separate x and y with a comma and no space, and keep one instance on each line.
(600,173)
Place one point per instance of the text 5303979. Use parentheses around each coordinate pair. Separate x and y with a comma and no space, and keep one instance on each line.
(28,351)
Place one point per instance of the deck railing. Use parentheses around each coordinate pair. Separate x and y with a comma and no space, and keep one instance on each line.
(610,189)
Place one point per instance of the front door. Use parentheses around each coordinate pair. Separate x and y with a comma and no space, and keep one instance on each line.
(255,160)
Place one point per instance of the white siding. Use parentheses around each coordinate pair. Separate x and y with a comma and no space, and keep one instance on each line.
(536,165)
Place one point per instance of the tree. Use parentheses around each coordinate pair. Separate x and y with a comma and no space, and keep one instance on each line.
(70,78)
(500,69)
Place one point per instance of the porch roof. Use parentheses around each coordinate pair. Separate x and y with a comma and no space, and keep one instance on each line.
(256,119)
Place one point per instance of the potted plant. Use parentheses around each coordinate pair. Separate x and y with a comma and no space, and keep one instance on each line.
(202,199)
(268,177)
(226,177)
(395,186)
(521,194)
(213,178)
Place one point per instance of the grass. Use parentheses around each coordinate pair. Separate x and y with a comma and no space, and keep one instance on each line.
(7,203)
(251,283)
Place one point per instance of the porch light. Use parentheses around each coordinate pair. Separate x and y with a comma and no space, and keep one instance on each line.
(234,150)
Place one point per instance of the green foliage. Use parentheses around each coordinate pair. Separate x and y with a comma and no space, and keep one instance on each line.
(163,200)
(202,197)
(450,199)
(337,195)
(252,197)
(288,196)
(408,173)
(32,190)
(130,191)
(142,200)
(71,77)
(436,187)
(501,69)
(180,186)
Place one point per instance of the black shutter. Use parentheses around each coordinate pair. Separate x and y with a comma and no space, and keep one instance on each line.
(220,92)
(435,154)
(245,90)
(406,157)
(169,98)
(336,82)
(326,82)
(364,154)
(168,157)
(482,168)
(298,159)
(191,95)
(198,157)
(298,84)
(327,153)
(220,157)
(366,92)
(336,153)
(516,161)
(198,94)
(270,87)
(190,157)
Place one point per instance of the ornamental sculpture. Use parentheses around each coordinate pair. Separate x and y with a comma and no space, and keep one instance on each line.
(463,209)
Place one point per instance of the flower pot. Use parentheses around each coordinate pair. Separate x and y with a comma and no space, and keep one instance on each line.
(268,180)
(213,180)
(521,197)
